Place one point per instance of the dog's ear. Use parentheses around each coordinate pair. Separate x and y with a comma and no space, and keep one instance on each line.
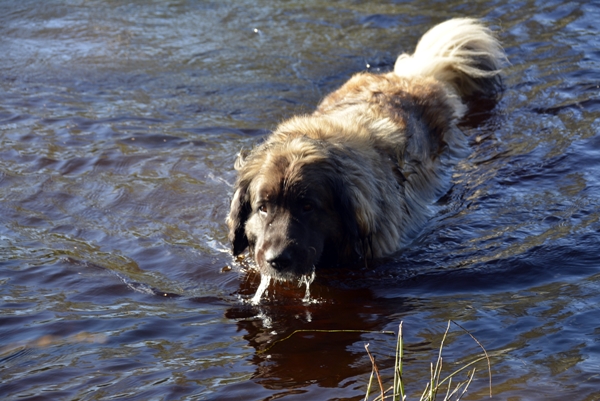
(353,241)
(236,221)
(240,160)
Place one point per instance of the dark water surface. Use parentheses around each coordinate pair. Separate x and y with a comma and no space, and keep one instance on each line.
(119,125)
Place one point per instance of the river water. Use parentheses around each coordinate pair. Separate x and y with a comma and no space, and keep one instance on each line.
(119,125)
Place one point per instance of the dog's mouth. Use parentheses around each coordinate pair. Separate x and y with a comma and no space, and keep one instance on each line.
(289,264)
(292,264)
(292,273)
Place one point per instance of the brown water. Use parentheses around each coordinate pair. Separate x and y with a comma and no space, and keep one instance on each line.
(119,125)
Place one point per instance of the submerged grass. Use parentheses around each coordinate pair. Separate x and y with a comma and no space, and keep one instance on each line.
(435,383)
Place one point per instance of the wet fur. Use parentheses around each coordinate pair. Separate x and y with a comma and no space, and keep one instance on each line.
(354,179)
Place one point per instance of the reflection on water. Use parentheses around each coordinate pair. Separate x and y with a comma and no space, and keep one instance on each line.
(119,124)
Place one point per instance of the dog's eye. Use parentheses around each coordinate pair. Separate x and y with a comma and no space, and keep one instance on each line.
(262,209)
(307,207)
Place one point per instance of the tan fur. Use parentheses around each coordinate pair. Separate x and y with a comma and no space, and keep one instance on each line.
(385,143)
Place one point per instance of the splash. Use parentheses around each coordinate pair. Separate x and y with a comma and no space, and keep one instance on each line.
(265,280)
(307,279)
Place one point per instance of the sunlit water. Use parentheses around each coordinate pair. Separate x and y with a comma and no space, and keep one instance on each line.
(119,126)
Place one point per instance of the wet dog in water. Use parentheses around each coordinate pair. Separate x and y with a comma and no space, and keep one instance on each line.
(354,179)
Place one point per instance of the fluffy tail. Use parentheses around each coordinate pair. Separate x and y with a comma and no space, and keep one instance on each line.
(461,53)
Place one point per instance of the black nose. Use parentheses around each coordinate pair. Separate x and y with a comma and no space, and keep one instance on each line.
(281,261)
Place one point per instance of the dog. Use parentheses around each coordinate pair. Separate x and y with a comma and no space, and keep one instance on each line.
(354,179)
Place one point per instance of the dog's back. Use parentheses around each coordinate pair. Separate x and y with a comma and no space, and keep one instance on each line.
(457,59)
(410,114)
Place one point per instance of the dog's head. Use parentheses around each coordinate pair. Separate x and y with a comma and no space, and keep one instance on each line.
(292,209)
